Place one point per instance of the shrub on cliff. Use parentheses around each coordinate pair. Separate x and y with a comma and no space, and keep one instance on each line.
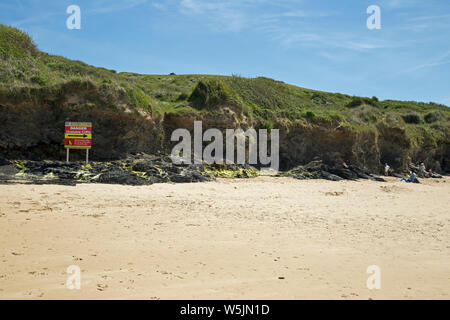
(137,98)
(358,101)
(412,117)
(434,117)
(211,93)
(39,79)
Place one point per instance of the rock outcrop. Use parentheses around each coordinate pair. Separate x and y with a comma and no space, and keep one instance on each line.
(139,170)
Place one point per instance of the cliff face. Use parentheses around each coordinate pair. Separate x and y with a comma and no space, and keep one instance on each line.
(33,130)
(301,143)
(366,149)
(134,113)
(33,124)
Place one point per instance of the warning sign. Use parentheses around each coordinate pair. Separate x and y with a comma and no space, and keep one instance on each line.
(78,135)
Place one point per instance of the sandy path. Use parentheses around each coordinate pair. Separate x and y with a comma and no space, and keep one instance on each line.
(265,238)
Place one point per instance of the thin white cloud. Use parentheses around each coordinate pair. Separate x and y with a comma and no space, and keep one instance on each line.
(397,4)
(287,25)
(435,62)
(220,15)
(107,6)
(159,5)
(325,40)
(34,19)
(434,17)
(96,7)
(239,15)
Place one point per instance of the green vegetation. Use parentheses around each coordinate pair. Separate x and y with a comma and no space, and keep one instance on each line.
(213,93)
(224,171)
(15,43)
(137,98)
(412,117)
(25,72)
(358,101)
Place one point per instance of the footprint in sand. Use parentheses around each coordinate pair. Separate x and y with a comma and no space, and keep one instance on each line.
(101,287)
(334,193)
(35,293)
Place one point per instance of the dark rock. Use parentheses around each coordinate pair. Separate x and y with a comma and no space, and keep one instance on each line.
(343,173)
(330,176)
(143,169)
(3,161)
(316,169)
(122,177)
(8,170)
(189,175)
(377,178)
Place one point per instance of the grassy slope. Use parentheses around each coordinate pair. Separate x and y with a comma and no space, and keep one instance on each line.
(23,67)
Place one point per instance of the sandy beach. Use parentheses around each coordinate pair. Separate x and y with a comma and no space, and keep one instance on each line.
(262,238)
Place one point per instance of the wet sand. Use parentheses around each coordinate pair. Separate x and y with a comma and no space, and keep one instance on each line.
(264,238)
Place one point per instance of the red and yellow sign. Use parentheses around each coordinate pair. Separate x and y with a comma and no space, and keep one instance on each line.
(78,135)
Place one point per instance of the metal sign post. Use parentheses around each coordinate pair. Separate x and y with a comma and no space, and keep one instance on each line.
(78,135)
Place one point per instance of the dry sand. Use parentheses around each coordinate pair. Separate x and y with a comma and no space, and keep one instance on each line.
(265,238)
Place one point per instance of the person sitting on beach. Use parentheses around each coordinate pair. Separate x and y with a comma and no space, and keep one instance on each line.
(423,171)
(422,167)
(386,169)
(412,178)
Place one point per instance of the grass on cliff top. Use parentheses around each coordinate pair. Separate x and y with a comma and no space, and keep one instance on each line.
(15,43)
(24,68)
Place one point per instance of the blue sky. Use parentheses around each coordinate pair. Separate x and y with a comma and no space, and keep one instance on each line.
(317,44)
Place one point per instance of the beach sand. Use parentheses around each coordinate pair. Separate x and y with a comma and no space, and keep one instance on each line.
(263,238)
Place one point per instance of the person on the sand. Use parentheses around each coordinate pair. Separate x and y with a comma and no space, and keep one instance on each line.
(386,169)
(423,171)
(412,178)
